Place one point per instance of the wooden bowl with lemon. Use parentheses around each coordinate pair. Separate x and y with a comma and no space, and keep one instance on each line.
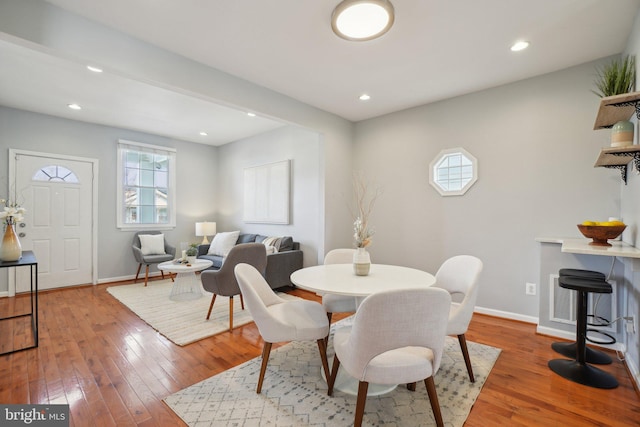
(600,232)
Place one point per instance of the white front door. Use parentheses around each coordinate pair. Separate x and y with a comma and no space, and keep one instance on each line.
(57,193)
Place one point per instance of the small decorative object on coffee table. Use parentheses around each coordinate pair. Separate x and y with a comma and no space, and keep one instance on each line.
(192,252)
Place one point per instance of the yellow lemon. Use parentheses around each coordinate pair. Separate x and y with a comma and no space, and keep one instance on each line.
(589,223)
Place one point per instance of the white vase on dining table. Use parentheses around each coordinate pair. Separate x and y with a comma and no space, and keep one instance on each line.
(361,262)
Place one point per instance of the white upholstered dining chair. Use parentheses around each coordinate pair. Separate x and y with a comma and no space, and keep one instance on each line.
(339,303)
(281,320)
(397,337)
(459,276)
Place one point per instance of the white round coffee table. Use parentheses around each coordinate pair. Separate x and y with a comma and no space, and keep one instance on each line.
(187,285)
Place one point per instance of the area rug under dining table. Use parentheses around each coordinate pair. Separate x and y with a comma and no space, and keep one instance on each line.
(295,394)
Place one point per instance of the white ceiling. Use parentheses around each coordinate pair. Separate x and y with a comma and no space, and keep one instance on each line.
(437,49)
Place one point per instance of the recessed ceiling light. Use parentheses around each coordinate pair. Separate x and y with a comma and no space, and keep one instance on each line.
(518,46)
(74,106)
(203,133)
(364,97)
(251,114)
(361,20)
(94,69)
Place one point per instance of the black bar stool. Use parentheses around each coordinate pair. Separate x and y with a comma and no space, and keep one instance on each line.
(569,349)
(578,370)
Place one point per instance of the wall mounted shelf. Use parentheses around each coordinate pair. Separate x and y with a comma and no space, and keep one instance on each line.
(612,110)
(618,158)
(615,108)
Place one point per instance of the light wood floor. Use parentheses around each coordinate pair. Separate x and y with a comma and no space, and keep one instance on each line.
(113,369)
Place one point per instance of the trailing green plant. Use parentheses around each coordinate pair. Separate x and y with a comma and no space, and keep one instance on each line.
(617,77)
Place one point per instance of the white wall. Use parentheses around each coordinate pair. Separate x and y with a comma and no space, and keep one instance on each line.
(535,148)
(196,177)
(60,32)
(631,216)
(304,149)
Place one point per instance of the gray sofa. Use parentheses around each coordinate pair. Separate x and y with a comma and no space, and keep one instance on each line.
(280,265)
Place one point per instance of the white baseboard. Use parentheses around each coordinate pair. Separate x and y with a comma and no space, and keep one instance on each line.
(618,346)
(507,315)
(632,365)
(129,277)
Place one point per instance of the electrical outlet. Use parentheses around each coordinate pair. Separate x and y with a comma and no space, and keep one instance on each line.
(530,289)
(631,324)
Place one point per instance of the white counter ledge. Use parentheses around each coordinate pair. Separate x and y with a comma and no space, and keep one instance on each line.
(582,246)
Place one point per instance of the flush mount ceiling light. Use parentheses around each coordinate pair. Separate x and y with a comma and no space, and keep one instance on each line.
(74,106)
(364,97)
(518,46)
(361,20)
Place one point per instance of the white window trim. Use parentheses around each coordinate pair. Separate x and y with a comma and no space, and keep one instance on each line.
(171,202)
(438,158)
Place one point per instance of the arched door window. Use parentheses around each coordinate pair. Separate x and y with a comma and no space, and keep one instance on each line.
(56,173)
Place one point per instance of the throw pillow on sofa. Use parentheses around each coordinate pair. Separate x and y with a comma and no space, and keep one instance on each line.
(223,243)
(273,242)
(281,244)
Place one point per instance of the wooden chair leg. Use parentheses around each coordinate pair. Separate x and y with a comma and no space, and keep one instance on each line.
(213,299)
(137,273)
(411,386)
(231,313)
(162,274)
(172,275)
(465,354)
(322,346)
(146,275)
(241,302)
(334,374)
(433,398)
(326,339)
(266,350)
(360,403)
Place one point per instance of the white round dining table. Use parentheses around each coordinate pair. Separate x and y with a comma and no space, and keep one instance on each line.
(340,279)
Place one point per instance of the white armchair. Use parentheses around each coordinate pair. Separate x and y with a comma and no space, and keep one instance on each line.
(339,303)
(397,337)
(459,276)
(281,320)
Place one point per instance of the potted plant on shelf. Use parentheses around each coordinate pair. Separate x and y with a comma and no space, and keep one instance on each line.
(616,78)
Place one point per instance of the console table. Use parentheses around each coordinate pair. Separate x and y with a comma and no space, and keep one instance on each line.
(27,259)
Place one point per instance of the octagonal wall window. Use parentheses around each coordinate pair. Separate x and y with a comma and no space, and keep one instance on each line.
(453,172)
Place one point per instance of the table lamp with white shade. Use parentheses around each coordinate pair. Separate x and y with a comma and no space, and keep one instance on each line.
(205,229)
